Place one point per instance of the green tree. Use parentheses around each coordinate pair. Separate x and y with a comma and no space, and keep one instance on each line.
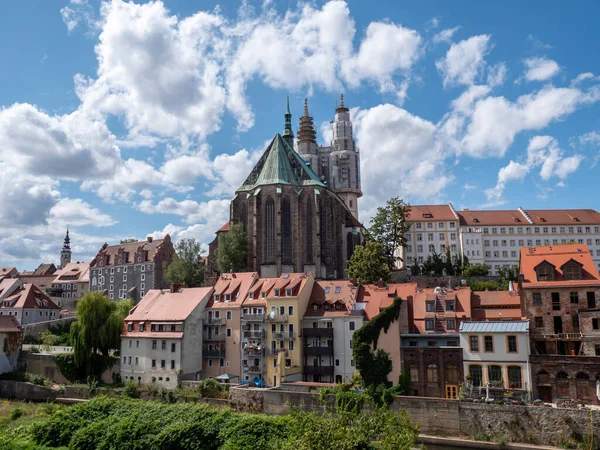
(368,263)
(448,266)
(389,228)
(476,270)
(404,381)
(187,266)
(438,264)
(232,252)
(97,329)
(415,269)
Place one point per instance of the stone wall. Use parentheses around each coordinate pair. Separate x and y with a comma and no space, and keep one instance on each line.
(36,329)
(26,391)
(437,416)
(272,401)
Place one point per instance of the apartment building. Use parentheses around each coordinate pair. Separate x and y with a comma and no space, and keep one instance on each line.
(70,284)
(222,328)
(131,269)
(496,354)
(495,237)
(560,294)
(329,323)
(29,304)
(162,340)
(286,304)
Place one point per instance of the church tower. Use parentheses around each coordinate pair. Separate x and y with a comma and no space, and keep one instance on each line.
(65,253)
(307,146)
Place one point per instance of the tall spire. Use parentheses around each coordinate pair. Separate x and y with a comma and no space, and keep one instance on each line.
(288,133)
(307,132)
(305,107)
(342,107)
(67,242)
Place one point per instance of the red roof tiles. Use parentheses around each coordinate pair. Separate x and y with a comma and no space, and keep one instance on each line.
(30,297)
(428,213)
(168,306)
(9,324)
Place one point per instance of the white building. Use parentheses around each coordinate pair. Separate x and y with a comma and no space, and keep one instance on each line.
(495,237)
(496,353)
(162,338)
(29,304)
(70,284)
(330,320)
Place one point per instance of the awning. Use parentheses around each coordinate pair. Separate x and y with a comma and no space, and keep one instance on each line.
(226,376)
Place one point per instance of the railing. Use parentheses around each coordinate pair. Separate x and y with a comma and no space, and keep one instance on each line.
(213,353)
(213,321)
(254,333)
(214,337)
(277,318)
(254,369)
(278,335)
(316,370)
(253,352)
(274,351)
(560,336)
(317,332)
(253,317)
(324,350)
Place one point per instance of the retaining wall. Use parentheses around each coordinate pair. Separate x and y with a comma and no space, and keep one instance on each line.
(36,329)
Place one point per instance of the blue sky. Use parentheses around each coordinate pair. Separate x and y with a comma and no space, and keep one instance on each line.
(128,119)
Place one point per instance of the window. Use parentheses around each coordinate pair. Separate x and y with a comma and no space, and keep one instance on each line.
(291,345)
(514,377)
(572,272)
(228,315)
(141,328)
(539,322)
(537,298)
(414,373)
(290,310)
(162,364)
(451,373)
(429,324)
(154,344)
(450,324)
(591,299)
(494,374)
(555,301)
(474,343)
(172,364)
(137,361)
(137,344)
(173,347)
(429,306)
(432,373)
(228,332)
(575,321)
(511,344)
(489,343)
(164,345)
(352,362)
(154,364)
(545,272)
(129,360)
(450,306)
(130,343)
(574,297)
(596,324)
(431,344)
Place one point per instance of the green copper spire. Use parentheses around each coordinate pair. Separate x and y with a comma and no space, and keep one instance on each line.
(288,133)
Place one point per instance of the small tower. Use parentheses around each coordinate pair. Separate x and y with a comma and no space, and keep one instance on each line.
(307,146)
(65,253)
(288,133)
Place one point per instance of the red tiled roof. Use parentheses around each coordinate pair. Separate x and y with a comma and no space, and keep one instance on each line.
(9,324)
(378,298)
(332,292)
(78,270)
(29,297)
(129,251)
(237,285)
(484,299)
(261,285)
(492,217)
(428,213)
(297,281)
(496,314)
(154,334)
(558,256)
(564,216)
(161,305)
(225,227)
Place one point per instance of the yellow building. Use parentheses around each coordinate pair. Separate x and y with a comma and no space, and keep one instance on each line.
(286,304)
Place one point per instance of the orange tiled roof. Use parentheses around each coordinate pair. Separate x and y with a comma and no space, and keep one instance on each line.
(337,293)
(495,305)
(235,284)
(377,298)
(294,281)
(564,216)
(78,270)
(9,324)
(428,213)
(225,227)
(168,306)
(558,256)
(261,285)
(492,217)
(30,297)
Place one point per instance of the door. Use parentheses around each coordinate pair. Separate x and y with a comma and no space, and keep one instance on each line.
(558,329)
(451,391)
(545,393)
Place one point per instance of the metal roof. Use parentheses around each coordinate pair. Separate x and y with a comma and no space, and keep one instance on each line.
(514,326)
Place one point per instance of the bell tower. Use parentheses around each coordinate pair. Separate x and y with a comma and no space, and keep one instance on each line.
(65,253)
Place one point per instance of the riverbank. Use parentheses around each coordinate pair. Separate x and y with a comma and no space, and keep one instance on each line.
(448,443)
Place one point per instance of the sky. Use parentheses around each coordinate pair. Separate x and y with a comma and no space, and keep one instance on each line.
(122,119)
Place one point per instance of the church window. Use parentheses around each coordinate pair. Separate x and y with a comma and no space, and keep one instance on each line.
(309,232)
(286,232)
(269,231)
(323,231)
(244,217)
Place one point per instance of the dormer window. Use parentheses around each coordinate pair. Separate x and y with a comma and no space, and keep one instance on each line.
(277,292)
(217,297)
(288,292)
(572,271)
(327,290)
(315,307)
(130,327)
(227,297)
(545,272)
(141,327)
(338,289)
(338,306)
(263,294)
(251,295)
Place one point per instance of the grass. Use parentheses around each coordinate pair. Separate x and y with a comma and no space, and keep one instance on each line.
(16,419)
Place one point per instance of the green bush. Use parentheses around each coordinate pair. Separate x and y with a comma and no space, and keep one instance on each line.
(16,413)
(484,286)
(30,340)
(131,390)
(476,270)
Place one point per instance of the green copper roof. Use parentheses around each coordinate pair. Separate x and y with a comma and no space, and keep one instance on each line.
(280,164)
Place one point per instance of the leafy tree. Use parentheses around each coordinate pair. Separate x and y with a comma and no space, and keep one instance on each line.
(232,252)
(485,286)
(508,273)
(389,228)
(128,241)
(368,263)
(437,264)
(476,270)
(404,381)
(186,267)
(97,328)
(415,269)
(427,267)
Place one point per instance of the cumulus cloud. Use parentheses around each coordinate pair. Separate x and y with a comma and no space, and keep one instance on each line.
(540,69)
(76,212)
(464,62)
(445,35)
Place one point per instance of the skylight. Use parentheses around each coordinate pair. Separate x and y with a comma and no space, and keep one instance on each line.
(327,290)
(286,276)
(338,289)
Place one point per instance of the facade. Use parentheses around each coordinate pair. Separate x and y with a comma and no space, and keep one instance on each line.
(162,337)
(496,354)
(495,237)
(329,323)
(286,304)
(295,220)
(29,305)
(10,344)
(70,284)
(222,328)
(130,270)
(560,295)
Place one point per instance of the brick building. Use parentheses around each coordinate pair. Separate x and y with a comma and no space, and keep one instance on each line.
(560,290)
(132,269)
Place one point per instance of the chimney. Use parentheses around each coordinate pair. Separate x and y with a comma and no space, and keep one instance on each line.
(175,288)
(149,238)
(380,283)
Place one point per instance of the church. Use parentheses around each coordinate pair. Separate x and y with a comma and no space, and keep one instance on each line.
(299,204)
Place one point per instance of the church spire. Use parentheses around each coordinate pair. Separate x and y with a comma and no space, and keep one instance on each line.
(288,133)
(67,242)
(342,107)
(307,132)
(65,253)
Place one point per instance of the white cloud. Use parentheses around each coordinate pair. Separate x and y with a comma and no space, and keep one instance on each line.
(464,61)
(445,35)
(190,210)
(76,212)
(540,69)
(496,74)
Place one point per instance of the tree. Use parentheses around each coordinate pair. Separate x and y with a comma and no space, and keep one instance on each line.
(186,267)
(476,270)
(415,269)
(97,329)
(232,250)
(389,228)
(128,241)
(448,263)
(368,264)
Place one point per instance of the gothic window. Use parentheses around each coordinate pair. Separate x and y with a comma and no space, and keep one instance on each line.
(286,231)
(244,216)
(269,231)
(323,231)
(350,244)
(309,232)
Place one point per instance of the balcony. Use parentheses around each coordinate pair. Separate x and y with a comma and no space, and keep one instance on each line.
(277,318)
(274,351)
(253,317)
(318,370)
(324,350)
(214,337)
(559,337)
(317,332)
(253,352)
(254,370)
(214,321)
(282,335)
(255,334)
(213,353)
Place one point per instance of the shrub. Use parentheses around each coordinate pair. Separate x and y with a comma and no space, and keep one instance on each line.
(130,390)
(484,286)
(16,413)
(209,388)
(29,340)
